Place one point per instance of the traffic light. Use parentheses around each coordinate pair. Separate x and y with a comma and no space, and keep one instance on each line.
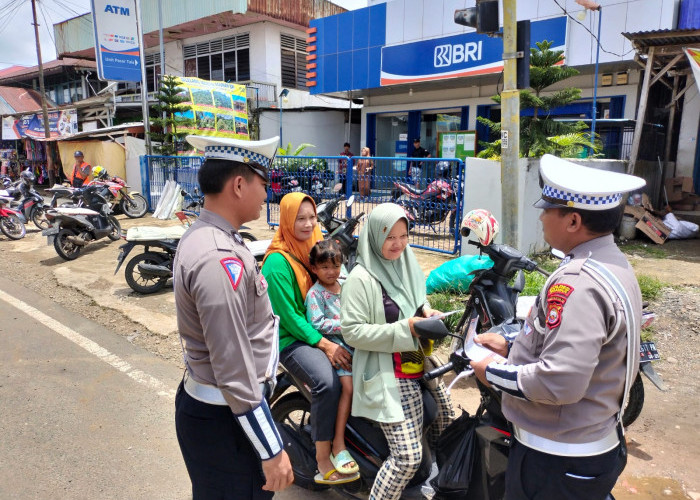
(483,17)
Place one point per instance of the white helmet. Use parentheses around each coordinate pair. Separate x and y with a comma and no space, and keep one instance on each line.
(484,225)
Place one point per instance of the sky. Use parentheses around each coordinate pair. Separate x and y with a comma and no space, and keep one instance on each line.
(17,44)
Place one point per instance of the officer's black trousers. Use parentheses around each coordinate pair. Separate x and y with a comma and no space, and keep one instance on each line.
(220,460)
(534,475)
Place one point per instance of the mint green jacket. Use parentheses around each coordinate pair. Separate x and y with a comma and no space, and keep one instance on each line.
(363,325)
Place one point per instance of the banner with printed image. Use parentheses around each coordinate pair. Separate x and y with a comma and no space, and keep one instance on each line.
(694,57)
(217,108)
(62,123)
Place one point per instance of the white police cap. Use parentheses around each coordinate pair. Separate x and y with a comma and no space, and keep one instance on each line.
(566,184)
(255,154)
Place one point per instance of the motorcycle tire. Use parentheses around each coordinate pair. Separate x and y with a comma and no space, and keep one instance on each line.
(635,402)
(134,207)
(64,248)
(12,227)
(116,228)
(38,217)
(453,222)
(247,236)
(139,282)
(292,413)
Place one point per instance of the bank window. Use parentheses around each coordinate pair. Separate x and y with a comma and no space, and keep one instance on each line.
(225,59)
(435,121)
(152,71)
(293,61)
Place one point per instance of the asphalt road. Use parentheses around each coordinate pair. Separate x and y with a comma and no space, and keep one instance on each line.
(84,414)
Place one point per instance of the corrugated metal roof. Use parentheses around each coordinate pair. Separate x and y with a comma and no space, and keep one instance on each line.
(18,100)
(295,11)
(49,68)
(659,38)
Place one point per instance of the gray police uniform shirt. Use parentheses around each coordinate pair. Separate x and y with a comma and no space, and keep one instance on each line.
(570,357)
(224,315)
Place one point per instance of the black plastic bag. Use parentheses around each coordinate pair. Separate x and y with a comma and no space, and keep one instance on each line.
(456,455)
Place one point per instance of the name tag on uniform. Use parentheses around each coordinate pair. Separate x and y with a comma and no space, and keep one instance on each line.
(234,268)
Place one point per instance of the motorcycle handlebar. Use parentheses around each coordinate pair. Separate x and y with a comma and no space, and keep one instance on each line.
(438,371)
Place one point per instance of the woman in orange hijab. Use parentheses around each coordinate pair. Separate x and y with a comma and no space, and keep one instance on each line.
(304,352)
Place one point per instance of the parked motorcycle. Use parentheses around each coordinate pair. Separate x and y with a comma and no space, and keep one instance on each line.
(31,204)
(60,192)
(133,204)
(74,227)
(432,205)
(281,183)
(11,223)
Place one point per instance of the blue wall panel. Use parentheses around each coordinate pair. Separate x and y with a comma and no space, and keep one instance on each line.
(328,35)
(330,73)
(375,67)
(345,31)
(360,68)
(345,71)
(360,33)
(377,25)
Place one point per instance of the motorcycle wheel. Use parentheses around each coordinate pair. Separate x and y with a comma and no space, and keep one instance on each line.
(140,282)
(39,219)
(293,413)
(247,236)
(116,228)
(134,207)
(405,202)
(12,227)
(635,402)
(453,222)
(64,248)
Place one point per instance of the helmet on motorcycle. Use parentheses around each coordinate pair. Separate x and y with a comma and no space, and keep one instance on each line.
(98,172)
(27,176)
(442,169)
(484,225)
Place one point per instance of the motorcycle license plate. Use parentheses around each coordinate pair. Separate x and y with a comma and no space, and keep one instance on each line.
(648,352)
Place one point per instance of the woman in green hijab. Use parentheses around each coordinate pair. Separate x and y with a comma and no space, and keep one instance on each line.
(380,302)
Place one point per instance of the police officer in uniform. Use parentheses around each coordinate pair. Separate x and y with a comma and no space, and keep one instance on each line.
(569,370)
(228,439)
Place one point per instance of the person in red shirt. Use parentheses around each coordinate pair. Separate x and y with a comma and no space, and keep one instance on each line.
(81,171)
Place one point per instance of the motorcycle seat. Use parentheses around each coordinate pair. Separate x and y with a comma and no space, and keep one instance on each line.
(410,189)
(152,233)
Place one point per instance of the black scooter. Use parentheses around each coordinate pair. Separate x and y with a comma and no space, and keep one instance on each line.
(74,227)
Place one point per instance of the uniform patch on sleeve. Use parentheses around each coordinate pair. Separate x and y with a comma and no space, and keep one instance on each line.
(234,268)
(556,298)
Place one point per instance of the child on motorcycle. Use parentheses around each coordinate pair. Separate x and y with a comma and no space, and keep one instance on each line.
(323,313)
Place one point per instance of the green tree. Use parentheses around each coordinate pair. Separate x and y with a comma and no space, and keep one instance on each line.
(169,108)
(540,134)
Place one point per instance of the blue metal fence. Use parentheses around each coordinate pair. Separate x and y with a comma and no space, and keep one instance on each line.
(431,194)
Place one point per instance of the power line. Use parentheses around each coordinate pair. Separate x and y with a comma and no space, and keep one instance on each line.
(622,56)
(46,24)
(9,15)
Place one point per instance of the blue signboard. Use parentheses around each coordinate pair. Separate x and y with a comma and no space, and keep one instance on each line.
(459,55)
(117,44)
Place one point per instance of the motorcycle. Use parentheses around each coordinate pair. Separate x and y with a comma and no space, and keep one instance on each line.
(11,223)
(281,183)
(31,204)
(150,270)
(432,205)
(74,227)
(133,204)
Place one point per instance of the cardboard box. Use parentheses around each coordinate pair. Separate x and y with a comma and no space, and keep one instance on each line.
(678,187)
(654,228)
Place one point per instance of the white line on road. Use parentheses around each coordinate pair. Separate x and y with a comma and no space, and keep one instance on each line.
(91,347)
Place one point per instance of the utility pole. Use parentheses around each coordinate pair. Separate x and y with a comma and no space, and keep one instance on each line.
(510,127)
(44,110)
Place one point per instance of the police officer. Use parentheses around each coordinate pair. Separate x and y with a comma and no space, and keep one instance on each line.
(81,170)
(569,370)
(228,439)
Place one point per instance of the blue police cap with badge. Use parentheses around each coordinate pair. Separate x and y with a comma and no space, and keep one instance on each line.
(566,184)
(258,155)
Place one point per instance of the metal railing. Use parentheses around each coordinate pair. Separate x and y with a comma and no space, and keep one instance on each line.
(434,208)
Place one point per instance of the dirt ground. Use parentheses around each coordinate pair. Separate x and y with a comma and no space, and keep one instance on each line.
(663,461)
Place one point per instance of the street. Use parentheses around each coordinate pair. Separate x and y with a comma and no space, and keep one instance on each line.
(85,414)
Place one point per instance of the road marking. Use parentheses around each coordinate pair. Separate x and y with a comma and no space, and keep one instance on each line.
(92,347)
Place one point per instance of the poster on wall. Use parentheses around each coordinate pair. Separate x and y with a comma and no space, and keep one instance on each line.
(457,144)
(218,108)
(61,123)
(117,44)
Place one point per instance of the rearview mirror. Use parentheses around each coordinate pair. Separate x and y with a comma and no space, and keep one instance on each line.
(433,329)
(351,200)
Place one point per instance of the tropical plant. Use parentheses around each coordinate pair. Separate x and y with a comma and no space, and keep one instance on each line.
(290,151)
(539,133)
(171,115)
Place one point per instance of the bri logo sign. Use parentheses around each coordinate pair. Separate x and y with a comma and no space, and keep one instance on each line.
(461,55)
(446,55)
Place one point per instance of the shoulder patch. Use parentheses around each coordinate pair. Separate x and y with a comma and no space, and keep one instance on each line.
(556,298)
(234,268)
